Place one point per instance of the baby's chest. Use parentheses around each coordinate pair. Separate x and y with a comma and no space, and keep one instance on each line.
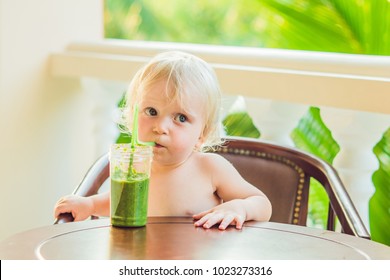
(182,188)
(181,196)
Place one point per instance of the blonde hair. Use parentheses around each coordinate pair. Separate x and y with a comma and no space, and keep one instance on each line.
(186,76)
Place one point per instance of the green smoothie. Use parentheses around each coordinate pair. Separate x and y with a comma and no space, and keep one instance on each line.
(129,201)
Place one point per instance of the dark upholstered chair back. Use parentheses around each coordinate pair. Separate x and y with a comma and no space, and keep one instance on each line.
(281,179)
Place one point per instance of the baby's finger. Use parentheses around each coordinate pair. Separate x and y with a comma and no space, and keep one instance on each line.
(202,220)
(227,220)
(77,217)
(59,210)
(239,221)
(213,218)
(200,215)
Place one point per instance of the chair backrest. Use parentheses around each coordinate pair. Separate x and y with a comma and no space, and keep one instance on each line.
(282,173)
(280,178)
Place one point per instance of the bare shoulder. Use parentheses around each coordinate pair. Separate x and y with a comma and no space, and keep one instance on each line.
(214,161)
(225,177)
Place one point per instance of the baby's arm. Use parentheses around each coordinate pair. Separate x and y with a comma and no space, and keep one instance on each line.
(242,201)
(82,208)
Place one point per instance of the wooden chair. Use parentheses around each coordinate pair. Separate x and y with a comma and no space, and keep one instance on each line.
(282,173)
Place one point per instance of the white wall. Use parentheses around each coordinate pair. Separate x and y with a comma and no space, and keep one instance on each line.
(41,142)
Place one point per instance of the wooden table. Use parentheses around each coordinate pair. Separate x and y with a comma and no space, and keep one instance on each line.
(177,238)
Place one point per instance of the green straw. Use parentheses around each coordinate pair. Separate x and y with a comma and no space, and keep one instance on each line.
(135,141)
(134,133)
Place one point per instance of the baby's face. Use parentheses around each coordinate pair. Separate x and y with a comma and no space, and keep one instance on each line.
(175,130)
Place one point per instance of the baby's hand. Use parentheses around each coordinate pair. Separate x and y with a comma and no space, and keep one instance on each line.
(228,213)
(81,208)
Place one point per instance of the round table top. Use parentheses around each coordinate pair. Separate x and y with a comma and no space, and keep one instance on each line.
(178,238)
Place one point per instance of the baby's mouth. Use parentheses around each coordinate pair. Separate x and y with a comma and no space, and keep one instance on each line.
(159,145)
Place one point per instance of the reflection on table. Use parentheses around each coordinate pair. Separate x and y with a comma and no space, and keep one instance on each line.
(178,238)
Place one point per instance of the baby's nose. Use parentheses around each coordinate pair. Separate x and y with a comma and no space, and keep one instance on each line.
(162,126)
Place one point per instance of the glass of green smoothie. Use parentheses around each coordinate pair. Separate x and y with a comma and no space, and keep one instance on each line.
(129,173)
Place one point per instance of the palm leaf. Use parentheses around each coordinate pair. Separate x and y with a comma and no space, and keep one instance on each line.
(369,21)
(379,205)
(313,136)
(360,26)
(238,122)
(326,31)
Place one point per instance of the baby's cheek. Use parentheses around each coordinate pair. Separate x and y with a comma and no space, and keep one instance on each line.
(143,130)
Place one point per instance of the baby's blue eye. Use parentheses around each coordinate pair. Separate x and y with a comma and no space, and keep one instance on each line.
(181,118)
(151,111)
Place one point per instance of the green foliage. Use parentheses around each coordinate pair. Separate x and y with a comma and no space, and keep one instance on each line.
(368,21)
(313,136)
(185,21)
(297,28)
(379,203)
(318,205)
(360,26)
(240,124)
(348,26)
